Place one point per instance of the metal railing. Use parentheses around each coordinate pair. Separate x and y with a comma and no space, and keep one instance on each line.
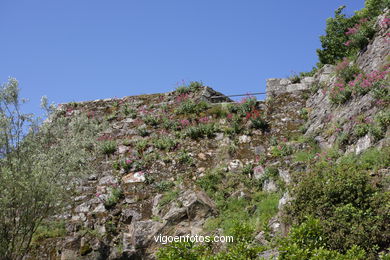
(239,95)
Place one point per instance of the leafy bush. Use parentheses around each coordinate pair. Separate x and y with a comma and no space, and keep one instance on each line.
(247,105)
(218,111)
(190,107)
(165,143)
(168,197)
(114,196)
(192,87)
(142,131)
(185,158)
(170,124)
(361,130)
(164,186)
(128,111)
(332,43)
(199,131)
(141,145)
(346,72)
(340,93)
(108,147)
(38,168)
(308,241)
(351,209)
(151,120)
(282,149)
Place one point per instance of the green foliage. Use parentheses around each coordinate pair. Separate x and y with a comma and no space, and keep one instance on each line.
(142,131)
(304,113)
(190,107)
(49,229)
(141,145)
(282,149)
(346,72)
(165,143)
(116,193)
(383,118)
(304,156)
(164,186)
(351,209)
(247,105)
(168,197)
(151,120)
(218,111)
(373,8)
(295,79)
(38,168)
(180,251)
(340,41)
(332,43)
(308,241)
(170,124)
(361,130)
(235,125)
(185,158)
(241,249)
(192,87)
(259,123)
(108,147)
(248,169)
(128,111)
(199,131)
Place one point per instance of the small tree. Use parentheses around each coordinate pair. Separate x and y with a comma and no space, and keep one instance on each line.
(39,165)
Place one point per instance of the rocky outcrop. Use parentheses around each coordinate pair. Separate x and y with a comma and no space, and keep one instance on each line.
(149,184)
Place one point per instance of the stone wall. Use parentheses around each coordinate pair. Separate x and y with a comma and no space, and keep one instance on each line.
(277,86)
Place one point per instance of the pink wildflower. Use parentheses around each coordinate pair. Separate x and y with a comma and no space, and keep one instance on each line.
(204,120)
(347,43)
(184,122)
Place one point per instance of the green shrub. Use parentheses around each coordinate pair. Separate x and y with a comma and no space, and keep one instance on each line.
(304,156)
(218,111)
(295,79)
(170,124)
(308,241)
(195,85)
(342,196)
(332,43)
(128,111)
(165,143)
(282,149)
(340,93)
(190,107)
(248,169)
(192,87)
(184,157)
(346,72)
(49,229)
(259,123)
(199,131)
(383,118)
(114,196)
(377,132)
(304,113)
(361,130)
(142,131)
(151,120)
(108,147)
(168,197)
(141,145)
(164,186)
(247,105)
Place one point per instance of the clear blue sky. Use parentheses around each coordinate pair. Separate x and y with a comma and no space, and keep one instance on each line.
(74,50)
